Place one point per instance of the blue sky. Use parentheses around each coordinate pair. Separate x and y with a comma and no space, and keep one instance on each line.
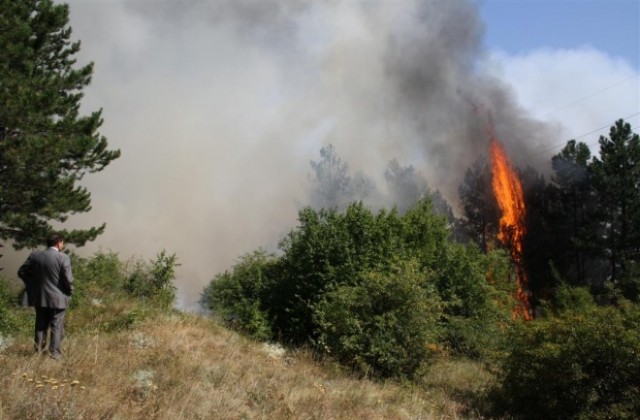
(516,26)
(573,63)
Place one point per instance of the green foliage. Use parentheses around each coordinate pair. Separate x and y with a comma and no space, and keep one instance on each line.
(594,211)
(124,321)
(13,318)
(8,321)
(98,276)
(237,296)
(103,269)
(154,280)
(46,147)
(572,212)
(332,186)
(406,185)
(383,325)
(569,299)
(582,227)
(480,213)
(616,173)
(581,364)
(374,290)
(629,282)
(478,291)
(331,249)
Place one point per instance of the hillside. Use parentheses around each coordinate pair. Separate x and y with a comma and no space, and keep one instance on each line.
(125,361)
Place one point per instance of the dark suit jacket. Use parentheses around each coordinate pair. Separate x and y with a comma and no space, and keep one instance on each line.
(48,279)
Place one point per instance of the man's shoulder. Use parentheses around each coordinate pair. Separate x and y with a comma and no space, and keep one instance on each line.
(63,257)
(39,253)
(49,254)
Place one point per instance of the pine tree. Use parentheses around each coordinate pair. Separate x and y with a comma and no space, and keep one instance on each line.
(480,209)
(406,185)
(539,244)
(46,146)
(573,214)
(333,187)
(617,182)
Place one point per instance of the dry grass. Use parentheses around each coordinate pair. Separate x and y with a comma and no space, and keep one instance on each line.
(186,367)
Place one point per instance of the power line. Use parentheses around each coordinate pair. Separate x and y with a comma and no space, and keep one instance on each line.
(591,95)
(581,136)
(580,100)
(594,143)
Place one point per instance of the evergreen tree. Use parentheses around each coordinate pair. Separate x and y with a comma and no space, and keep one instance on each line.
(332,186)
(539,242)
(406,185)
(573,214)
(480,209)
(617,182)
(46,146)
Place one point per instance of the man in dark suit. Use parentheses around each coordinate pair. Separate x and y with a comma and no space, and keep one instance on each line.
(49,285)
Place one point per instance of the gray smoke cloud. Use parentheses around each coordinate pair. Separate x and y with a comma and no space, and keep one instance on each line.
(219,106)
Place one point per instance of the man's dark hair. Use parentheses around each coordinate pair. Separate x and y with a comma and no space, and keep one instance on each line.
(54,238)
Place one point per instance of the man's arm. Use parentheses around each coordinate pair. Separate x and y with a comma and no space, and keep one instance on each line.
(25,271)
(67,275)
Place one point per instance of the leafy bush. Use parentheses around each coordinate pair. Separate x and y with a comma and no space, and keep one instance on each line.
(154,280)
(237,296)
(478,293)
(331,249)
(629,282)
(8,321)
(124,321)
(383,325)
(568,299)
(581,364)
(372,290)
(102,269)
(100,275)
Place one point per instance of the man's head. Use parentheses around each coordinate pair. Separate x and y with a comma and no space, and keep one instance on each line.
(55,240)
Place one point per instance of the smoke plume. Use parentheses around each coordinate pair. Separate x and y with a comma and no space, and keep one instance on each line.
(219,107)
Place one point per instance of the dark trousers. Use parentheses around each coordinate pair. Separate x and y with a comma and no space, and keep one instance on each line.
(49,318)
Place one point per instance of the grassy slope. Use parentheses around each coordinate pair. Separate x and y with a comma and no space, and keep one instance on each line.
(132,363)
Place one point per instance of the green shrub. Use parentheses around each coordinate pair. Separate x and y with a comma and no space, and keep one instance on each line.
(154,280)
(354,284)
(384,325)
(104,270)
(331,249)
(581,364)
(124,321)
(569,299)
(98,276)
(478,293)
(8,321)
(629,283)
(237,296)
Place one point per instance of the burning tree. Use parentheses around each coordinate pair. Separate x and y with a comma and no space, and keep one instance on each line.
(508,192)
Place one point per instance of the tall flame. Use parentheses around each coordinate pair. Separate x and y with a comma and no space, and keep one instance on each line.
(508,192)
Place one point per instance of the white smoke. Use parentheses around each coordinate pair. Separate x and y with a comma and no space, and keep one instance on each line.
(219,106)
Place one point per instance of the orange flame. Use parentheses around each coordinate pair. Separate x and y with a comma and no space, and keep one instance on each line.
(508,192)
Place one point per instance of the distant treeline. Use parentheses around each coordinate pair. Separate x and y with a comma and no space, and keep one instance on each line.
(583,224)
